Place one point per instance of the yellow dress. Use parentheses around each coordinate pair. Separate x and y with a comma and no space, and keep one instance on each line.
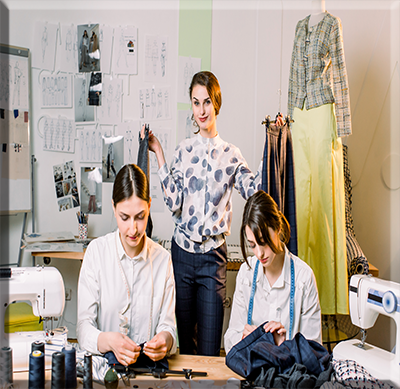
(319,178)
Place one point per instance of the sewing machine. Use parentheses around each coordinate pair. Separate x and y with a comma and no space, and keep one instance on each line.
(369,297)
(44,287)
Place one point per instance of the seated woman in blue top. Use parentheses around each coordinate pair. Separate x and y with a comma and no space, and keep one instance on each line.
(282,283)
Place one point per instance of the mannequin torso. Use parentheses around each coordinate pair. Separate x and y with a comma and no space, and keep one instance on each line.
(318,12)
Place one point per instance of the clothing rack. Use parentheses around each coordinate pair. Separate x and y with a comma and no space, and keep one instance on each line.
(268,120)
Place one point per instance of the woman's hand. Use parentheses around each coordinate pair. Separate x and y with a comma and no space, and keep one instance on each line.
(155,146)
(278,331)
(158,347)
(248,329)
(124,348)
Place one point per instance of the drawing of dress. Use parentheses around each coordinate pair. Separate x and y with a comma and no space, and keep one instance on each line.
(44,42)
(17,83)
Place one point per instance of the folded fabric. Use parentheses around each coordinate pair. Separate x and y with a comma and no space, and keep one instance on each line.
(258,350)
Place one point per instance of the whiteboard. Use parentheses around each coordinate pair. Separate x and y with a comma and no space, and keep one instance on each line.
(15,154)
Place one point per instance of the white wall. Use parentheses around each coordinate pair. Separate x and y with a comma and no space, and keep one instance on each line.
(251,52)
(251,49)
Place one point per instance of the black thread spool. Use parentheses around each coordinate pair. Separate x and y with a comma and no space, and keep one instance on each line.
(36,370)
(87,371)
(58,370)
(6,365)
(70,367)
(37,345)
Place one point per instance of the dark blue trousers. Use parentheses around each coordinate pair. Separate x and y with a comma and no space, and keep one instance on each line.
(278,176)
(200,281)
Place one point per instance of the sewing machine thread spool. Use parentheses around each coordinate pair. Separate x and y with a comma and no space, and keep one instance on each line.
(37,345)
(70,366)
(87,371)
(58,370)
(6,366)
(36,370)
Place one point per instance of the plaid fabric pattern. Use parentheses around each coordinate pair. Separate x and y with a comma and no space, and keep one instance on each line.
(318,71)
(356,261)
(278,175)
(353,375)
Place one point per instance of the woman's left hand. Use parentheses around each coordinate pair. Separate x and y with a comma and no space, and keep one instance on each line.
(158,347)
(278,331)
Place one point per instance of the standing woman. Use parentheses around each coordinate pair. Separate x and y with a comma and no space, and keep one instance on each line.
(197,189)
(273,282)
(84,49)
(126,288)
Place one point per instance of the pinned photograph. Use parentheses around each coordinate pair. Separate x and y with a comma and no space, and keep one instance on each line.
(95,88)
(91,190)
(113,156)
(88,48)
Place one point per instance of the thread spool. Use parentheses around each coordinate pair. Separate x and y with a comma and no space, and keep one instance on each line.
(87,371)
(70,366)
(6,365)
(36,370)
(58,370)
(37,345)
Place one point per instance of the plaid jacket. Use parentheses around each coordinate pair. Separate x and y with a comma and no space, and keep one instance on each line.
(318,71)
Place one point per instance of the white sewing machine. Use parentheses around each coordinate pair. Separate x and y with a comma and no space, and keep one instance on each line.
(369,297)
(44,287)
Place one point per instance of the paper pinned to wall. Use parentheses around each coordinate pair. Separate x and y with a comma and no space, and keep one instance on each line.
(186,127)
(130,132)
(156,58)
(188,67)
(125,50)
(44,46)
(110,111)
(67,49)
(90,144)
(83,111)
(65,185)
(154,103)
(58,134)
(56,90)
(105,40)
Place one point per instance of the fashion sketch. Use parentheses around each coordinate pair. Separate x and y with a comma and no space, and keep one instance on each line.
(44,46)
(156,58)
(58,134)
(125,51)
(90,145)
(187,66)
(68,49)
(83,111)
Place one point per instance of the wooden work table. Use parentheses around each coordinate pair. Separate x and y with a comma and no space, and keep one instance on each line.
(217,375)
(231,265)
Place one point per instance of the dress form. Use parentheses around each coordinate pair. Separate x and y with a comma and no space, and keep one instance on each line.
(318,12)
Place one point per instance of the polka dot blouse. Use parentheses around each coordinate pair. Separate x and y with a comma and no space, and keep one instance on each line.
(198,190)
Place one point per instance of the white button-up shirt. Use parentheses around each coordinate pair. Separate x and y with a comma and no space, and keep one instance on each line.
(103,292)
(273,303)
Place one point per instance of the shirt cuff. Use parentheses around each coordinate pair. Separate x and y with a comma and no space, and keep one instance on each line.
(163,172)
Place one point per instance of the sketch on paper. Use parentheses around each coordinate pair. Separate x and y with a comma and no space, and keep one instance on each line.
(56,90)
(187,68)
(58,134)
(186,126)
(13,83)
(112,156)
(105,42)
(91,190)
(44,46)
(130,131)
(90,145)
(83,111)
(154,103)
(156,58)
(111,108)
(67,49)
(88,48)
(125,50)
(65,186)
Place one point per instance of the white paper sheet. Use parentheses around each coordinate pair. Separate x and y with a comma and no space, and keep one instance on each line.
(188,66)
(125,50)
(44,46)
(156,58)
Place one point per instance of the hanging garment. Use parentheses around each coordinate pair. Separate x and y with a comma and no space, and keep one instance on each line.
(258,351)
(278,175)
(318,159)
(144,163)
(356,261)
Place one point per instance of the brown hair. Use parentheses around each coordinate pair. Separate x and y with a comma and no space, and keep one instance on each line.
(260,213)
(208,80)
(130,181)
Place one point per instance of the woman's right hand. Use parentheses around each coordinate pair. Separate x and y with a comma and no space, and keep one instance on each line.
(155,146)
(124,348)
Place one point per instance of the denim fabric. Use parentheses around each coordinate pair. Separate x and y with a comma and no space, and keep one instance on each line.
(144,163)
(278,176)
(200,281)
(258,350)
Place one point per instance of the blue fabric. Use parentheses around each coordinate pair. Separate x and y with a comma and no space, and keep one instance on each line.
(258,350)
(200,281)
(142,361)
(278,176)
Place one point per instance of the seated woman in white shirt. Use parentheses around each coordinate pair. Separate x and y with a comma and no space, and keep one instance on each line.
(266,230)
(126,288)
